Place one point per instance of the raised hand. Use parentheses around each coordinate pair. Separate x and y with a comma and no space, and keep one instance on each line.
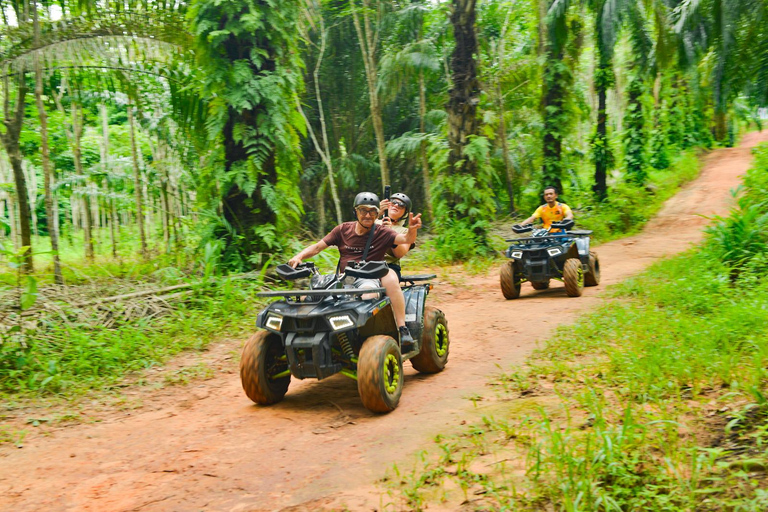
(414,221)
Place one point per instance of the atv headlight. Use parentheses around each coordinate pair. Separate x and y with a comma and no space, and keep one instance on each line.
(341,322)
(553,251)
(274,322)
(517,254)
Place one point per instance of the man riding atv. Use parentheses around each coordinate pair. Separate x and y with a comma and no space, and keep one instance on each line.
(352,238)
(550,212)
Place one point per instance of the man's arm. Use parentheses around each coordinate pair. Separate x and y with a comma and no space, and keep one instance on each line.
(312,250)
(401,250)
(568,213)
(413,227)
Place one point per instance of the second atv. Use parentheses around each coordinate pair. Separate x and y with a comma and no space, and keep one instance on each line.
(544,255)
(339,326)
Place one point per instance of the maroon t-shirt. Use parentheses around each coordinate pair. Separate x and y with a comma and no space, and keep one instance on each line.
(351,245)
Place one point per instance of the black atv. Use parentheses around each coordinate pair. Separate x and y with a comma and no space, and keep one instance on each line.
(544,255)
(335,327)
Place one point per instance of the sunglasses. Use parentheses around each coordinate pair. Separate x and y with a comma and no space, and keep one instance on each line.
(397,203)
(368,212)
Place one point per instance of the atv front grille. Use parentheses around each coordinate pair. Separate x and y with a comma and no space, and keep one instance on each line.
(299,324)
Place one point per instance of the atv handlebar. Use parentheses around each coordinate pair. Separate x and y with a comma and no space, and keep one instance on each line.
(367,269)
(289,273)
(517,228)
(563,224)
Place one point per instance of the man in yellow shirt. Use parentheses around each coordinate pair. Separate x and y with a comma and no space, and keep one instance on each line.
(550,212)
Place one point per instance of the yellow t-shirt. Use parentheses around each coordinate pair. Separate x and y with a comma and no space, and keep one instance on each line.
(549,215)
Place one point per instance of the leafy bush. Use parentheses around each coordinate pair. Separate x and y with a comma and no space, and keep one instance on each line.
(741,239)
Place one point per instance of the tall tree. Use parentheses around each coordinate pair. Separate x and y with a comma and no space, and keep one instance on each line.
(368,38)
(48,171)
(251,71)
(466,201)
(14,121)
(557,81)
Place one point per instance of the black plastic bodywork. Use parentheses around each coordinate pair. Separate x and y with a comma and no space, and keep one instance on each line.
(314,348)
(543,257)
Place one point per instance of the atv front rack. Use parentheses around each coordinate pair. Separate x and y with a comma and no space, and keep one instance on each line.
(320,293)
(554,236)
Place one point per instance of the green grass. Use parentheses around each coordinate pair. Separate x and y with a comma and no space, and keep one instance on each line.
(71,360)
(656,401)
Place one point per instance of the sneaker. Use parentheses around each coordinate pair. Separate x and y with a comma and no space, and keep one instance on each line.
(407,343)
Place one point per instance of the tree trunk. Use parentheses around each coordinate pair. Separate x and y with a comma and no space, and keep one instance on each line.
(721,125)
(321,210)
(465,92)
(600,146)
(137,184)
(48,171)
(77,133)
(423,148)
(13,124)
(510,172)
(165,210)
(368,43)
(31,177)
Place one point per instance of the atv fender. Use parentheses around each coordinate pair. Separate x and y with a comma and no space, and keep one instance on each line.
(415,301)
(381,322)
(580,249)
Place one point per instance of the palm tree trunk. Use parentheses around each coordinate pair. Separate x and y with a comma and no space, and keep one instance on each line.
(48,172)
(423,149)
(137,184)
(77,133)
(464,94)
(31,177)
(13,123)
(368,42)
(600,146)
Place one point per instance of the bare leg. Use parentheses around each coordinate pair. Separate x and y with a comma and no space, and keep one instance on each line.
(395,294)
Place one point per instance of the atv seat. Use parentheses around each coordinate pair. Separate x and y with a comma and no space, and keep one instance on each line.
(416,278)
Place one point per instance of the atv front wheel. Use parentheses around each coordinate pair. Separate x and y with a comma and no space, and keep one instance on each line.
(540,285)
(264,370)
(592,278)
(380,374)
(511,277)
(434,343)
(573,277)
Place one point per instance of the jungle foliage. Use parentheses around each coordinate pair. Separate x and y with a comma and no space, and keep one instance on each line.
(243,123)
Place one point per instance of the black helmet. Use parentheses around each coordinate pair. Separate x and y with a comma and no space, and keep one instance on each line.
(366,199)
(405,199)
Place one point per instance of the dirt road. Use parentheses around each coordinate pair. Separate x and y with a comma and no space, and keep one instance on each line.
(207,447)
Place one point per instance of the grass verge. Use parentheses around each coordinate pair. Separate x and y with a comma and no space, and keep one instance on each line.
(656,401)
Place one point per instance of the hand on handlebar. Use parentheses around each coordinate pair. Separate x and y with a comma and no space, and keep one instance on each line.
(294,262)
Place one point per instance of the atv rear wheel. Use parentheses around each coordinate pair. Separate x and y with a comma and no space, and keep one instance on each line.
(434,343)
(511,277)
(592,278)
(540,285)
(573,277)
(380,374)
(263,368)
